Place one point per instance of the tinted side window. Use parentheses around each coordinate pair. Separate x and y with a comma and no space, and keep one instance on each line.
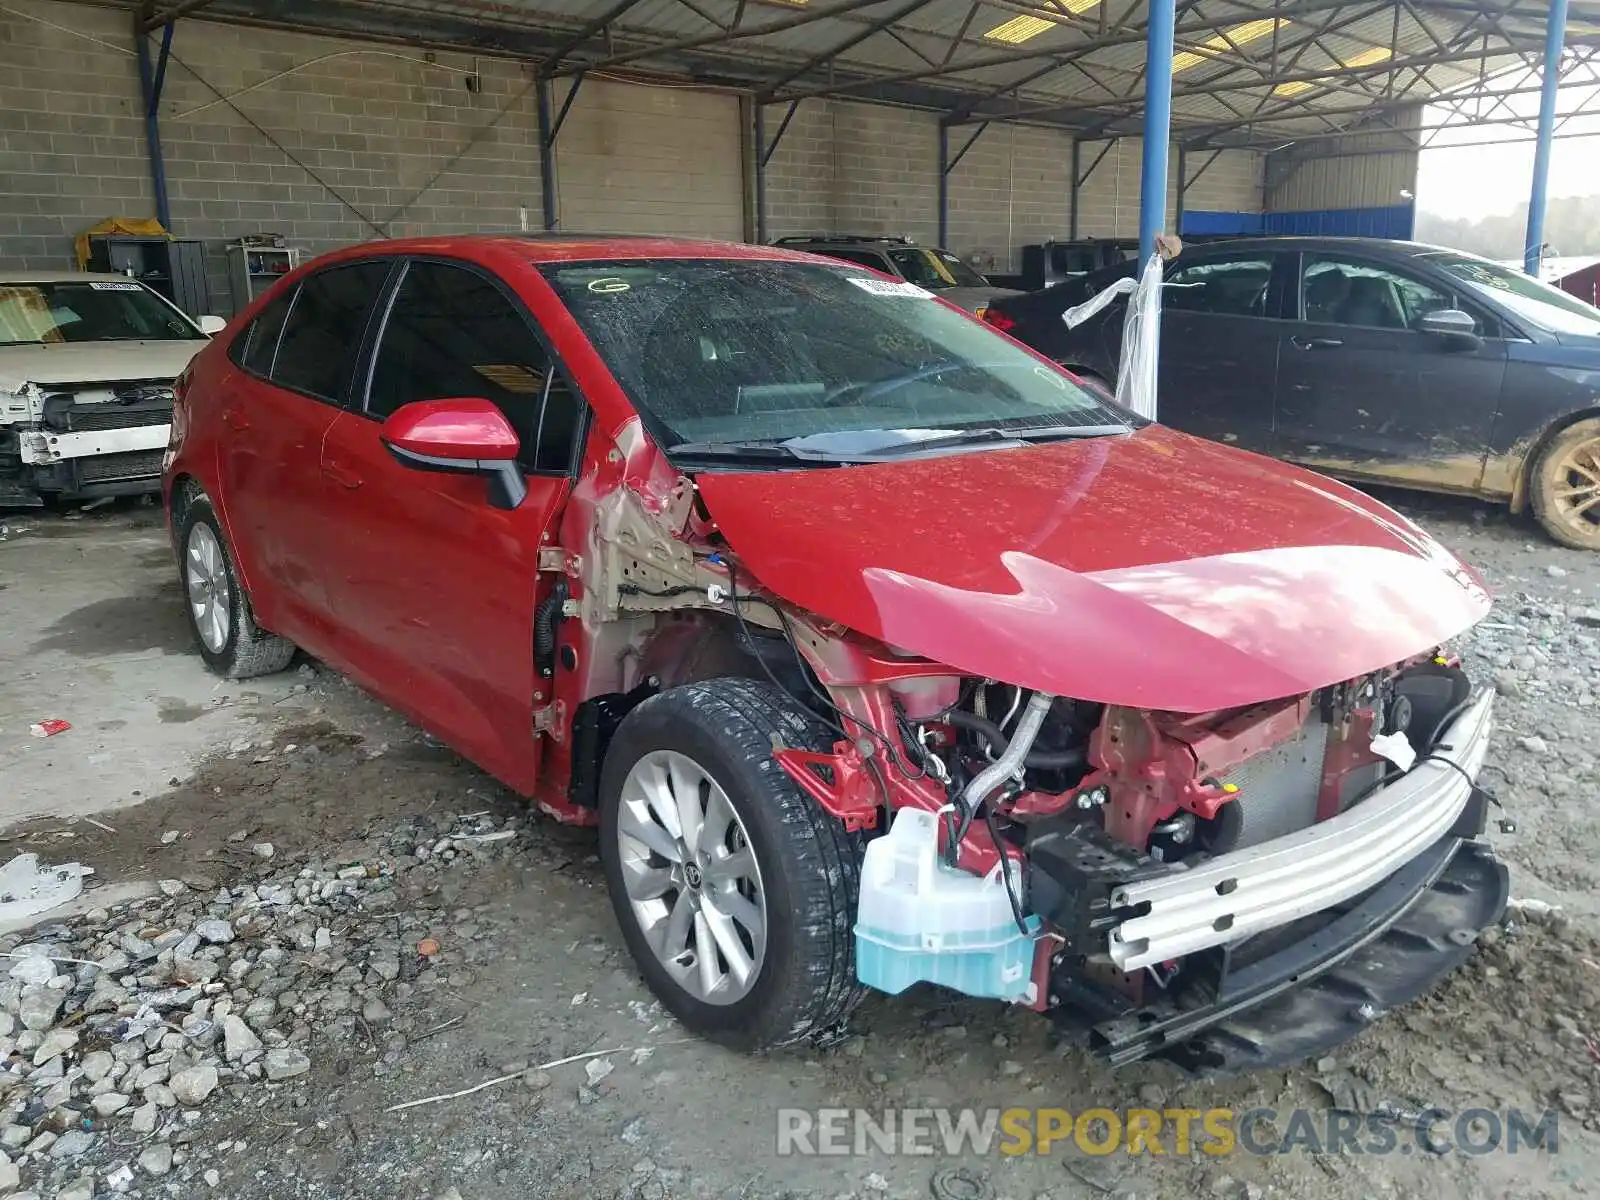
(914,266)
(1235,287)
(322,337)
(255,347)
(862,258)
(451,333)
(1346,291)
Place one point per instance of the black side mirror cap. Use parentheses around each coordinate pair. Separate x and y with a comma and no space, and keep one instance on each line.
(507,487)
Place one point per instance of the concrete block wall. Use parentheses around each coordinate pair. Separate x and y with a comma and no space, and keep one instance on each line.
(331,141)
(1013,187)
(886,166)
(687,143)
(326,141)
(854,168)
(800,173)
(1234,183)
(71,135)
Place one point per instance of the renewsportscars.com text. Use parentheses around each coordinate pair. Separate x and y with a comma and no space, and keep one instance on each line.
(1169,1131)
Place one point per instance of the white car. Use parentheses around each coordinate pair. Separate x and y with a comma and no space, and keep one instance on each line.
(87,364)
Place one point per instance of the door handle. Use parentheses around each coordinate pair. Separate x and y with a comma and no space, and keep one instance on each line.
(1317,343)
(342,475)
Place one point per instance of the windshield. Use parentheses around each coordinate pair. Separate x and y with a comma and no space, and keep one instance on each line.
(95,310)
(936,269)
(739,351)
(1547,307)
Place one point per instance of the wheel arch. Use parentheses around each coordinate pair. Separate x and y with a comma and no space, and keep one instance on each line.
(1523,478)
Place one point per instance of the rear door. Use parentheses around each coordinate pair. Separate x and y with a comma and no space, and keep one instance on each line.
(289,381)
(1361,391)
(1221,336)
(436,588)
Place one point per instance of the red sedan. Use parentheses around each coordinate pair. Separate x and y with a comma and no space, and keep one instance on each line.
(754,558)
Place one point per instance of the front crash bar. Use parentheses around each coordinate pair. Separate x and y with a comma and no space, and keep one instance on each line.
(1235,895)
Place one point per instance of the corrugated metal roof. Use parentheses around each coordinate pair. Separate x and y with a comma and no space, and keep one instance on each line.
(1083,69)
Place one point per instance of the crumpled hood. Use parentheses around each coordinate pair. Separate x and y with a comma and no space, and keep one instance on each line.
(1154,570)
(93,362)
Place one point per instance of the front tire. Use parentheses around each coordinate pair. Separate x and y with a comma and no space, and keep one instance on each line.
(231,642)
(736,893)
(1565,487)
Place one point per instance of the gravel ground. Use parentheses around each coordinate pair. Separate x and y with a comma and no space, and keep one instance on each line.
(348,918)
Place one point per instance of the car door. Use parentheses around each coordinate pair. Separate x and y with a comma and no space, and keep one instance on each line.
(1220,341)
(437,588)
(293,371)
(1362,391)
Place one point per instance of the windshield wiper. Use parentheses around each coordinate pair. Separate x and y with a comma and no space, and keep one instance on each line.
(839,448)
(995,433)
(747,451)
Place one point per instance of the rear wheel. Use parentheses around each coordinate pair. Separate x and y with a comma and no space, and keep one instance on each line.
(231,642)
(1565,487)
(736,894)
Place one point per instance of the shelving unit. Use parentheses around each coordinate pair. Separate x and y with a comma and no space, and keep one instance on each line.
(253,266)
(175,268)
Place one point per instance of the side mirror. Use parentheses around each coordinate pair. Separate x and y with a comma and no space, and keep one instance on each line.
(212,325)
(1458,329)
(459,437)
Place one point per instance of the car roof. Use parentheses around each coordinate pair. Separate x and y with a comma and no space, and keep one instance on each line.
(1394,246)
(12,278)
(574,247)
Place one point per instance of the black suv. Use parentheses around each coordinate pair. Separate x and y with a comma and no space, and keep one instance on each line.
(939,271)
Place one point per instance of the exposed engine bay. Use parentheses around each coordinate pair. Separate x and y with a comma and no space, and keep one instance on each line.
(83,439)
(1169,877)
(1100,802)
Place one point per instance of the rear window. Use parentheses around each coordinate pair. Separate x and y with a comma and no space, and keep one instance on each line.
(725,350)
(255,348)
(323,332)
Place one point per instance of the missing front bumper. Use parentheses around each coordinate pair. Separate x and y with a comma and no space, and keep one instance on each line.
(1234,896)
(1387,949)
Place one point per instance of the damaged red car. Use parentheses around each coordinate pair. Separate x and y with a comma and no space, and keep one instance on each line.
(878,649)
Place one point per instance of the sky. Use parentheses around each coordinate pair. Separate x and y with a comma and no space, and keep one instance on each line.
(1475,181)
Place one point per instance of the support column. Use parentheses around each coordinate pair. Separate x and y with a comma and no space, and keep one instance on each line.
(946,165)
(761,170)
(944,184)
(152,76)
(1183,187)
(1555,39)
(547,165)
(1077,186)
(549,131)
(1157,124)
(764,152)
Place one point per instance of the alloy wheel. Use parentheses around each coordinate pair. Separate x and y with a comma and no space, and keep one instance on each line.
(1576,490)
(210,591)
(691,877)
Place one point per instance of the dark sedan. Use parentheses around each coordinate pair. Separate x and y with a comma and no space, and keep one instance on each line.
(1377,360)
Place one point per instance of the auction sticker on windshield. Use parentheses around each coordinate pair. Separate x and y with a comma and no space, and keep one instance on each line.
(887,287)
(115,287)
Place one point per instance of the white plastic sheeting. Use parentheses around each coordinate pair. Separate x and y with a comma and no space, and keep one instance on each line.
(1141,344)
(1141,335)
